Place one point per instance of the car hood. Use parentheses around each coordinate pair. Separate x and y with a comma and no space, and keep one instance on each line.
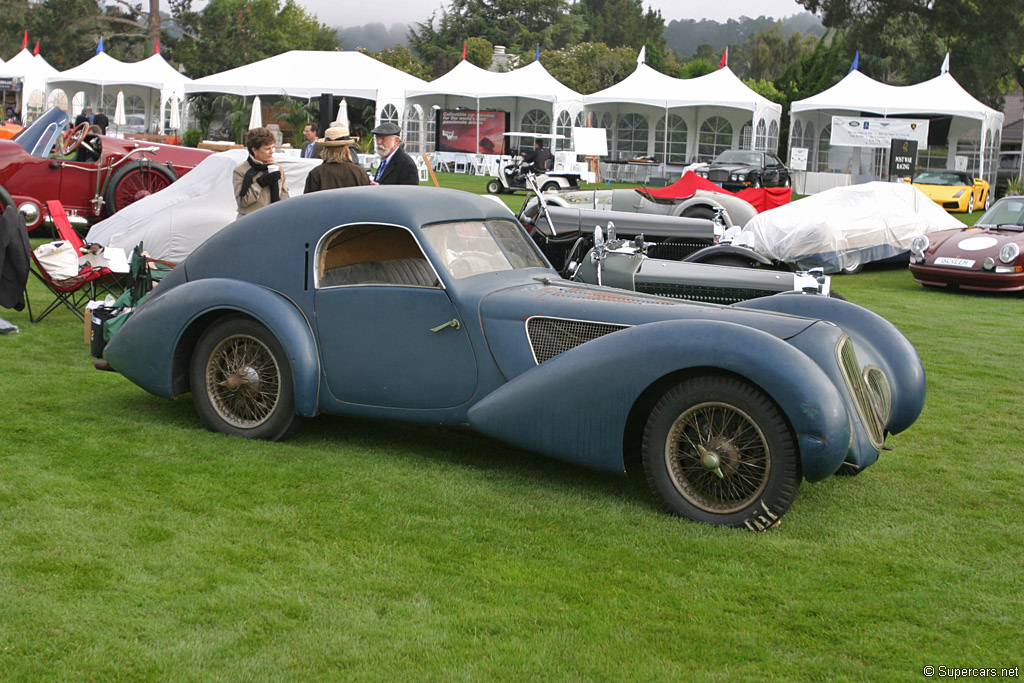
(941,191)
(972,243)
(586,311)
(732,168)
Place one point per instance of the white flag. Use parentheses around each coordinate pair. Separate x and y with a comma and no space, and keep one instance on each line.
(944,69)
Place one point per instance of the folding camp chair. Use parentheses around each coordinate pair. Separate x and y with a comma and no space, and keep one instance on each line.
(109,282)
(73,292)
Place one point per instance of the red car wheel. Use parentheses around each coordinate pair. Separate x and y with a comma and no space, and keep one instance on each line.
(134,181)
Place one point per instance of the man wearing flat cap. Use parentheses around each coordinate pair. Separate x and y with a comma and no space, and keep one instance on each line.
(339,168)
(396,167)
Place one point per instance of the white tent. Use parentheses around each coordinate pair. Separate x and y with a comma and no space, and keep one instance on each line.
(308,74)
(512,91)
(33,70)
(705,115)
(152,80)
(940,99)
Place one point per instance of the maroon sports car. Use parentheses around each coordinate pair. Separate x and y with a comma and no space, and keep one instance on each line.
(986,256)
(92,175)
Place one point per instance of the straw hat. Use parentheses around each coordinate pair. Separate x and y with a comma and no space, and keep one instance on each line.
(336,136)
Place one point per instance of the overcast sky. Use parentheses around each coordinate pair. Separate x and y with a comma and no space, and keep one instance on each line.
(387,12)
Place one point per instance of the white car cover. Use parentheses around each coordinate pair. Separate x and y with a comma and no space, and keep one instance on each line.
(174,221)
(845,227)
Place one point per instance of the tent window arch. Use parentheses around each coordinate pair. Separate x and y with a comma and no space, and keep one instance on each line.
(79,102)
(389,113)
(632,134)
(773,137)
(715,137)
(413,130)
(797,133)
(606,123)
(57,98)
(760,137)
(809,140)
(534,121)
(677,134)
(824,145)
(563,127)
(586,119)
(36,102)
(969,145)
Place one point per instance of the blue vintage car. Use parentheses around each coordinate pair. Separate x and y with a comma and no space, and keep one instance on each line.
(434,306)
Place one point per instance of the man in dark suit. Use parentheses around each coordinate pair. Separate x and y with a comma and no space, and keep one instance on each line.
(309,150)
(84,117)
(396,167)
(539,159)
(100,119)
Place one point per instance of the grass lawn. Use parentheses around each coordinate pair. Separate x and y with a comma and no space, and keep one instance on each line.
(135,545)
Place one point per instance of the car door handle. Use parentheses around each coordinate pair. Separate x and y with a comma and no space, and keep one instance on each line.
(453,323)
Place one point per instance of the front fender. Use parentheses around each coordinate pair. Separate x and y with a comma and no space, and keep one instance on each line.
(576,406)
(878,342)
(703,255)
(153,348)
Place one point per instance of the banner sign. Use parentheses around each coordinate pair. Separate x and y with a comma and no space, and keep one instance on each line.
(11,83)
(848,131)
(457,131)
(902,158)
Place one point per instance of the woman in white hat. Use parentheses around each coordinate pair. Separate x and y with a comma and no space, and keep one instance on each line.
(338,169)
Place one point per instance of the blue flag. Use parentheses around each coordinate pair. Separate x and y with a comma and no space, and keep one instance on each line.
(536,54)
(856,63)
(99,46)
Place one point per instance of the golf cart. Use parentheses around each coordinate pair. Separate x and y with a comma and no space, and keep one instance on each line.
(512,177)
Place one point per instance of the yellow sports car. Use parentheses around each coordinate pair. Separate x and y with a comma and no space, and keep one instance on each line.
(954,191)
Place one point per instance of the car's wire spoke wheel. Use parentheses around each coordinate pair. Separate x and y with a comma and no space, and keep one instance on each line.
(135,180)
(717,449)
(243,381)
(717,457)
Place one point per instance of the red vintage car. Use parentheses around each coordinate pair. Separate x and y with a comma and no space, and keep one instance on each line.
(986,257)
(92,175)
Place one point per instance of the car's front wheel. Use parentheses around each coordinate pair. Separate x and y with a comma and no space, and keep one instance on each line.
(493,186)
(134,181)
(242,382)
(718,450)
(970,204)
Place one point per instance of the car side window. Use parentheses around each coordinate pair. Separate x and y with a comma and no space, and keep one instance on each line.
(368,254)
(773,161)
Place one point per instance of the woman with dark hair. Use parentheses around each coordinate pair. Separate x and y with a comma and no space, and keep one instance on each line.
(258,180)
(338,169)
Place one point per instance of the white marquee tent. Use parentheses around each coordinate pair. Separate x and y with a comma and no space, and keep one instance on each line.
(33,70)
(705,115)
(535,100)
(152,80)
(974,129)
(308,74)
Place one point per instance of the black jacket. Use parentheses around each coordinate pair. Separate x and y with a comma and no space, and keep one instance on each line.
(101,120)
(14,259)
(401,170)
(540,158)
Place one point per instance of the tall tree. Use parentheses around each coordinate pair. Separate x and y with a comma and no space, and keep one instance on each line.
(589,67)
(621,22)
(907,39)
(230,33)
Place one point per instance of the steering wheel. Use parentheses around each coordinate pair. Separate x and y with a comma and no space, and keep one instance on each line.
(71,139)
(473,262)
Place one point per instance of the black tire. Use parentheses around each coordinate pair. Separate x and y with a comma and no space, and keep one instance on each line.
(242,382)
(853,268)
(133,181)
(705,212)
(6,200)
(717,450)
(493,186)
(786,182)
(550,185)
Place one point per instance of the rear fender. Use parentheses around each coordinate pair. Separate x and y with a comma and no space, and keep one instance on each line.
(703,255)
(154,347)
(577,406)
(878,342)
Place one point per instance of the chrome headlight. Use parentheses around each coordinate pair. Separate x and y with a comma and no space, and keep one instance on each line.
(919,245)
(1009,252)
(739,176)
(702,174)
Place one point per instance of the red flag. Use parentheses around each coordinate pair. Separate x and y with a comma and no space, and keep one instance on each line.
(725,58)
(156,48)
(463,47)
(36,51)
(24,41)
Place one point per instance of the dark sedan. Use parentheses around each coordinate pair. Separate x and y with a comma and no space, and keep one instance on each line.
(738,169)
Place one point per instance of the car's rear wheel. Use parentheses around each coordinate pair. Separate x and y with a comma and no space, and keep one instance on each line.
(550,185)
(705,212)
(718,450)
(988,200)
(730,260)
(134,181)
(242,382)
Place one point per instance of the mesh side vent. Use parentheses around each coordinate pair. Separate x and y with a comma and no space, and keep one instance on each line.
(711,295)
(851,369)
(678,249)
(619,297)
(551,336)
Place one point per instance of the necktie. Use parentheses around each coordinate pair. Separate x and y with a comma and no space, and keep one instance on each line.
(380,170)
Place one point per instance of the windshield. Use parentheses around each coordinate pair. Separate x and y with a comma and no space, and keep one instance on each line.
(738,156)
(1007,211)
(941,178)
(473,247)
(39,137)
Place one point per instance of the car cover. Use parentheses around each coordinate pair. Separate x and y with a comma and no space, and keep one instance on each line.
(761,198)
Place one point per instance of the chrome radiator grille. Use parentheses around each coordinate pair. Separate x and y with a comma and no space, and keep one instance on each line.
(551,336)
(861,395)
